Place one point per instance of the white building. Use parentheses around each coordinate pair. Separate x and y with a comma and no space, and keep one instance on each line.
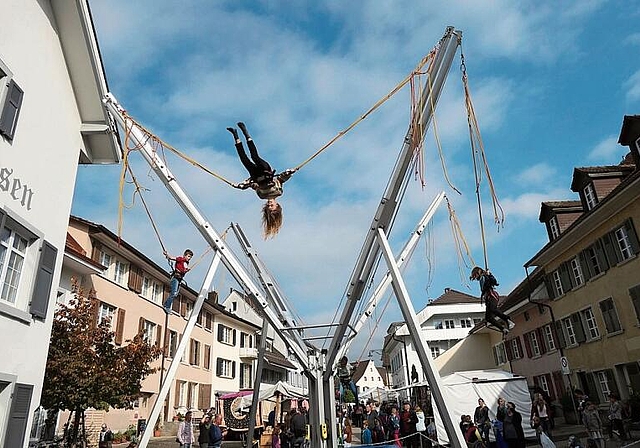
(51,118)
(367,376)
(444,321)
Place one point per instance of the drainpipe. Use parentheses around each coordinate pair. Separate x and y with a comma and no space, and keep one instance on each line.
(553,322)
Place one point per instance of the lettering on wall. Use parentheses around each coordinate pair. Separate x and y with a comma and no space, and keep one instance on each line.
(15,187)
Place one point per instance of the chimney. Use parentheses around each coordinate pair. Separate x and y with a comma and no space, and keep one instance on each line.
(446,290)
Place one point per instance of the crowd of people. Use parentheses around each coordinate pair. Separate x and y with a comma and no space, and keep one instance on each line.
(591,417)
(507,426)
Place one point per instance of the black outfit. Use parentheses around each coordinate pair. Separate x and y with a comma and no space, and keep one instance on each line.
(490,298)
(408,420)
(203,437)
(481,420)
(299,425)
(257,167)
(513,432)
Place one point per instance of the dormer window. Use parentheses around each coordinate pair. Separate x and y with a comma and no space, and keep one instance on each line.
(554,228)
(590,196)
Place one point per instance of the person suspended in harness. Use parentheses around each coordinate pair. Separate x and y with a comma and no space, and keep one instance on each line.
(264,180)
(345,381)
(490,297)
(180,269)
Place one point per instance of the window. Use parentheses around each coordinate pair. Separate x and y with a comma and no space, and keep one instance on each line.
(594,262)
(499,354)
(246,340)
(543,383)
(181,398)
(13,251)
(466,323)
(117,269)
(225,368)
(635,300)
(569,331)
(603,382)
(576,271)
(515,349)
(106,312)
(553,227)
(120,272)
(105,259)
(557,283)
(548,337)
(226,335)
(10,102)
(449,324)
(435,352)
(152,290)
(610,316)
(193,396)
(624,243)
(534,343)
(173,343)
(437,325)
(245,376)
(149,329)
(590,196)
(591,326)
(194,353)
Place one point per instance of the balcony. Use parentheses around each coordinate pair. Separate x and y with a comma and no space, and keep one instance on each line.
(248,353)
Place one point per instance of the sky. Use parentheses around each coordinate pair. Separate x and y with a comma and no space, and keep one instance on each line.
(550,83)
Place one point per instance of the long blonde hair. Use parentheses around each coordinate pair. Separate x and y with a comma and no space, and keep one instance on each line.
(271,221)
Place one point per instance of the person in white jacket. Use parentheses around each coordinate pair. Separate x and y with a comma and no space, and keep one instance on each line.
(185,432)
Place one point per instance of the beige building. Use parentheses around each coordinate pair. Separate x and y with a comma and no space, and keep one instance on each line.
(131,289)
(592,272)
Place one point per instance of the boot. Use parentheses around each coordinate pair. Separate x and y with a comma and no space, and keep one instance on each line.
(234,132)
(243,128)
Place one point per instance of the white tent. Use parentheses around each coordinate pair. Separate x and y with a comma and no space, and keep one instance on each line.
(378,394)
(285,390)
(462,390)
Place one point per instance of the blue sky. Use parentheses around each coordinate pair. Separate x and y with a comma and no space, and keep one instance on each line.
(550,86)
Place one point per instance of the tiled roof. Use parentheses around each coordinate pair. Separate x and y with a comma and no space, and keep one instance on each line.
(452,296)
(562,204)
(275,358)
(72,245)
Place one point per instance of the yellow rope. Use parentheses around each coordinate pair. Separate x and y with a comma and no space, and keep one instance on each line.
(368,112)
(460,243)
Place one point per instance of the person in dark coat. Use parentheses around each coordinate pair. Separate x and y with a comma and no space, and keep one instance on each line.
(408,420)
(512,427)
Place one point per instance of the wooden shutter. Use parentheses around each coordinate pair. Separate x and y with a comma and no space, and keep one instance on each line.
(189,394)
(611,248)
(578,329)
(11,110)
(220,332)
(233,369)
(44,280)
(234,337)
(527,344)
(141,325)
(135,278)
(550,284)
(562,343)
(541,342)
(165,293)
(204,397)
(207,357)
(558,383)
(18,416)
(176,398)
(602,258)
(219,366)
(158,335)
(120,326)
(207,320)
(587,271)
(192,352)
(175,305)
(565,278)
(242,334)
(96,248)
(507,349)
(183,305)
(552,395)
(633,236)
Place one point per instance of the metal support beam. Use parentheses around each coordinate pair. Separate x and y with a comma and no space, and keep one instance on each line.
(256,383)
(424,354)
(182,346)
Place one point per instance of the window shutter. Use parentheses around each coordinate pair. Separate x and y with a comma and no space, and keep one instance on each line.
(165,293)
(633,236)
(141,325)
(611,381)
(11,110)
(611,249)
(207,322)
(158,335)
(183,305)
(18,415)
(602,258)
(242,333)
(219,366)
(527,344)
(565,278)
(507,349)
(176,398)
(559,334)
(135,278)
(551,289)
(189,394)
(578,329)
(220,332)
(204,397)
(558,383)
(552,395)
(233,369)
(95,250)
(586,267)
(175,305)
(44,280)
(207,357)
(234,337)
(495,355)
(192,352)
(541,342)
(120,326)
(634,292)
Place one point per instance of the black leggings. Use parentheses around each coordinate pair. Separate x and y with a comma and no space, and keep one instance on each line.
(258,167)
(492,312)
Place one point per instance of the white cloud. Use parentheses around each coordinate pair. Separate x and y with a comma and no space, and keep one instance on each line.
(633,39)
(607,152)
(633,86)
(537,174)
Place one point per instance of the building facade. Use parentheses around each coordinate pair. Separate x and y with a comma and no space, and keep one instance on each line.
(51,118)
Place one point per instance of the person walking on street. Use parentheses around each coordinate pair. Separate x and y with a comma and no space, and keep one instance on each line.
(591,421)
(216,433)
(512,427)
(203,435)
(408,420)
(185,432)
(615,416)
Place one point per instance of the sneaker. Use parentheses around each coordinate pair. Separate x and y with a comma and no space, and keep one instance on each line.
(167,310)
(512,324)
